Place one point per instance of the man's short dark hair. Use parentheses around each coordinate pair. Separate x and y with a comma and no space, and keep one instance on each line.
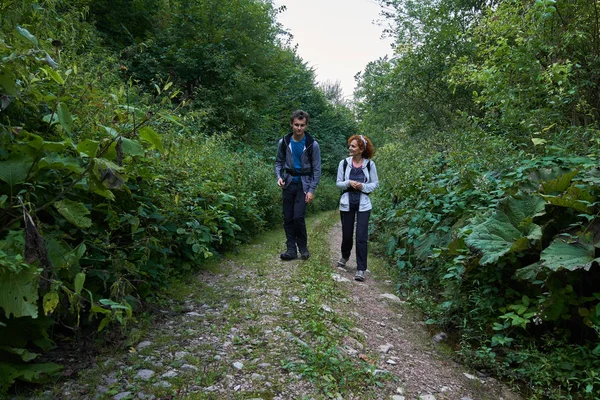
(299,114)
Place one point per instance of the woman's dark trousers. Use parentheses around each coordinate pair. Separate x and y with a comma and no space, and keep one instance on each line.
(362,235)
(294,212)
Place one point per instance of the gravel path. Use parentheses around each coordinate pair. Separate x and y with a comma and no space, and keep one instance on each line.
(254,327)
(404,346)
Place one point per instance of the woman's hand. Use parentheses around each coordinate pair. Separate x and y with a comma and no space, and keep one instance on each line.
(356,185)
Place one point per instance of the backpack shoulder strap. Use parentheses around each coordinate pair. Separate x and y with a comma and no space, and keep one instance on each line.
(368,165)
(282,145)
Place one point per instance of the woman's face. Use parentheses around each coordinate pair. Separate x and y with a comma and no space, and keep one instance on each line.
(353,148)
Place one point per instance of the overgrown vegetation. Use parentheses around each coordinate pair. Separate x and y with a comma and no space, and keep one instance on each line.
(489,203)
(132,154)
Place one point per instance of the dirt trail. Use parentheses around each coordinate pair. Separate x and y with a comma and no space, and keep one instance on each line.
(233,331)
(412,356)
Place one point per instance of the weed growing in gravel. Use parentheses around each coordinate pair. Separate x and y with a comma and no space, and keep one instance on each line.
(334,372)
(211,375)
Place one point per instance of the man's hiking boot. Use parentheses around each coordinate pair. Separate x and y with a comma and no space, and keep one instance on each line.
(342,262)
(304,254)
(360,276)
(288,255)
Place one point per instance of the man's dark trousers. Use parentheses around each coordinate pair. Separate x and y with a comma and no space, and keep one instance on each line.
(294,211)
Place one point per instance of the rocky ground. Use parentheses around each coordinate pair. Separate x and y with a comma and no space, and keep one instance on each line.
(255,327)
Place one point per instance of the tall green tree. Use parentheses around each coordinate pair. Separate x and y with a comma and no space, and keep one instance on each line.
(536,74)
(413,87)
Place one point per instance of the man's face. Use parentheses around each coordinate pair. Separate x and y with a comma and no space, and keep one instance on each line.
(299,126)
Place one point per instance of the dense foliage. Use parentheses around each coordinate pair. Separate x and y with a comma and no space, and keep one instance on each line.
(131,152)
(490,181)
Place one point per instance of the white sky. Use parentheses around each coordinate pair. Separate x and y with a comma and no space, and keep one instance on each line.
(337,38)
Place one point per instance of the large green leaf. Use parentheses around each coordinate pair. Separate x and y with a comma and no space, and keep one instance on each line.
(88,148)
(74,212)
(149,135)
(111,131)
(35,373)
(559,184)
(97,187)
(23,354)
(54,75)
(8,82)
(79,281)
(571,256)
(64,117)
(108,173)
(529,273)
(132,147)
(521,209)
(25,33)
(14,170)
(55,161)
(57,146)
(18,293)
(509,229)
(574,197)
(63,256)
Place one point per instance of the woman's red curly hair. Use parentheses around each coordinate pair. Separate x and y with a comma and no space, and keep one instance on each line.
(364,144)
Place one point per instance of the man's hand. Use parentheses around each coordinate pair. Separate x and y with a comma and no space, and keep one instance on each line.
(280,182)
(309,197)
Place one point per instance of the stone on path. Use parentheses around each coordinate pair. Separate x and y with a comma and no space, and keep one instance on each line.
(238,365)
(392,297)
(145,374)
(339,278)
(143,344)
(194,314)
(471,377)
(169,374)
(385,348)
(181,354)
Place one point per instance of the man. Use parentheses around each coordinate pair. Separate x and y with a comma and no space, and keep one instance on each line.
(298,171)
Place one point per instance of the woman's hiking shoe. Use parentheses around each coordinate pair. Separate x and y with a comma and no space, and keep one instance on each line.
(342,262)
(360,276)
(288,255)
(304,254)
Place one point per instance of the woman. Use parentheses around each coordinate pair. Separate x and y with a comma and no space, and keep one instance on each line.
(357,177)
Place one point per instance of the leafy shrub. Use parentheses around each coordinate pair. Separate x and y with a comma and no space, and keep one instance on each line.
(503,255)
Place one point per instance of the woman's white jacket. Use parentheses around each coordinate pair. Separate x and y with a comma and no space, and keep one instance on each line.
(343,183)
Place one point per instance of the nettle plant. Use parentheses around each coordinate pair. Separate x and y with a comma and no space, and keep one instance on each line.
(68,149)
